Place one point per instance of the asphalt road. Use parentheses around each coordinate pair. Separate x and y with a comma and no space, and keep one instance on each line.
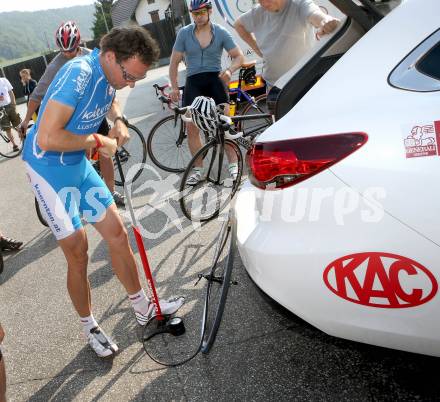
(262,352)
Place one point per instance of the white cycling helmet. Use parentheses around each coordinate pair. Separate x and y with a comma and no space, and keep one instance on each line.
(67,36)
(204,113)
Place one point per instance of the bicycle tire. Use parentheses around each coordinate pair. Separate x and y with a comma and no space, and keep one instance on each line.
(193,199)
(132,153)
(217,292)
(257,126)
(40,214)
(6,146)
(162,146)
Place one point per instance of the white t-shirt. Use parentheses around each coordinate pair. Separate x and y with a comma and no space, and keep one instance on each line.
(5,87)
(283,37)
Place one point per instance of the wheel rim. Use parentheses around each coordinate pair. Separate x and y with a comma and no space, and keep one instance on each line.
(205,200)
(164,148)
(132,155)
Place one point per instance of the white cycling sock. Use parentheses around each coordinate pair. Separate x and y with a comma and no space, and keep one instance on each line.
(140,302)
(88,323)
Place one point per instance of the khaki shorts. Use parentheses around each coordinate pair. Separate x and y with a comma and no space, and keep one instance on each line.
(11,118)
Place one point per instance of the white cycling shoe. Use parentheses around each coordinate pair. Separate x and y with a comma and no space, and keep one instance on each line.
(167,307)
(195,178)
(101,343)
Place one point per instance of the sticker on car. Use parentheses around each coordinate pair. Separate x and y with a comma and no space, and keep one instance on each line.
(383,280)
(422,139)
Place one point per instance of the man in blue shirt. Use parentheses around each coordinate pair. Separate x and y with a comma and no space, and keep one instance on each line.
(202,44)
(65,184)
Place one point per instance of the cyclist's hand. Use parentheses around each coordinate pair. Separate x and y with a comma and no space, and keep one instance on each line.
(225,76)
(120,132)
(22,128)
(109,146)
(175,95)
(2,334)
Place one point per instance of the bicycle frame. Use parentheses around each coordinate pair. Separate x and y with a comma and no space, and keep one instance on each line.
(220,140)
(182,130)
(240,93)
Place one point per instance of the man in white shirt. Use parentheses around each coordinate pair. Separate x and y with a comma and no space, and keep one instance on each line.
(11,118)
(282,31)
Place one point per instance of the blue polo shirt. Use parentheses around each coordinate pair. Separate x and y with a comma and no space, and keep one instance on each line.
(202,60)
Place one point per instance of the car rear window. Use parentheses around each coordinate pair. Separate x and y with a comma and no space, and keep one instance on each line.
(430,64)
(420,69)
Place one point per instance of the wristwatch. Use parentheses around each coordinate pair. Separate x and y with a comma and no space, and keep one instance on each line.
(122,118)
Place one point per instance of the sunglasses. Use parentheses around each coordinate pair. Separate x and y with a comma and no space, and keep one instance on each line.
(203,11)
(127,76)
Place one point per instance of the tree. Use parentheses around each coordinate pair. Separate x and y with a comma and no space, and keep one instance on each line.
(102,8)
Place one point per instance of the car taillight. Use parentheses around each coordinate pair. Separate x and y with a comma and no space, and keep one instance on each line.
(280,164)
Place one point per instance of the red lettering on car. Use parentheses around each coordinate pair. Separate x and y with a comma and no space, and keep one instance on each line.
(366,278)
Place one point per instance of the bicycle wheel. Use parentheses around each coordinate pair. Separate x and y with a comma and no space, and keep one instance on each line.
(256,126)
(218,284)
(6,147)
(132,155)
(40,216)
(203,201)
(168,146)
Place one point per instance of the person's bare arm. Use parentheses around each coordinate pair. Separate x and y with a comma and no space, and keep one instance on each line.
(248,37)
(119,131)
(237,60)
(176,58)
(13,101)
(52,135)
(325,23)
(115,110)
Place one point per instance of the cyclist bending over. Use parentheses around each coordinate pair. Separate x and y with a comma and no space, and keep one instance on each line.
(65,183)
(202,44)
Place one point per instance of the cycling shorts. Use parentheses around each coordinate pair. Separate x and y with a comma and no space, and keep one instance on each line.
(205,84)
(67,193)
(11,118)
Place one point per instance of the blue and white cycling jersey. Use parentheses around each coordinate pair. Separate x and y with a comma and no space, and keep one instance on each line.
(64,183)
(82,85)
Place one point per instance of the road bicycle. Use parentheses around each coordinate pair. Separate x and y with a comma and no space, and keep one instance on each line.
(167,141)
(245,104)
(203,201)
(6,146)
(132,156)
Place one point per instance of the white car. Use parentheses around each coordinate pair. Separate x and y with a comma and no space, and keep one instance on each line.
(340,219)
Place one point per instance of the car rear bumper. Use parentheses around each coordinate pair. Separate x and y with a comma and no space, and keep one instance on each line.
(288,261)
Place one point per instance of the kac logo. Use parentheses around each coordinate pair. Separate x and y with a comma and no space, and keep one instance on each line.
(380,280)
